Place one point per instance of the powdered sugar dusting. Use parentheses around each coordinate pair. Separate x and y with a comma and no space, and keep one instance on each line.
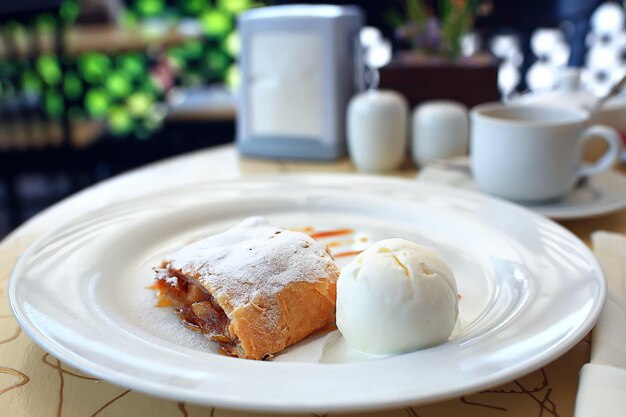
(253,261)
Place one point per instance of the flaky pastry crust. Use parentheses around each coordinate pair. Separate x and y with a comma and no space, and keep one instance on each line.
(256,289)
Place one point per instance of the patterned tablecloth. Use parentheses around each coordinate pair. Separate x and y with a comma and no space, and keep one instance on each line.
(35,384)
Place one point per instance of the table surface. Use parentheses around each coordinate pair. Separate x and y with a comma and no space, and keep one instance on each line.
(35,384)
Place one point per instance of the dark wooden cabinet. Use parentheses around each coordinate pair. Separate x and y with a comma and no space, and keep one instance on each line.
(434,78)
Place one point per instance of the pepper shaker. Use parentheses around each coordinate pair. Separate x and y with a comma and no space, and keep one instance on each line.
(440,131)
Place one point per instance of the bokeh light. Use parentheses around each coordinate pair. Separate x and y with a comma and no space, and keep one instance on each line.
(118,84)
(120,122)
(541,76)
(132,64)
(216,22)
(97,102)
(150,8)
(233,77)
(379,54)
(232,43)
(49,69)
(140,103)
(508,78)
(470,44)
(377,51)
(94,66)
(542,41)
(369,36)
(608,19)
(505,46)
(234,6)
(601,56)
(559,55)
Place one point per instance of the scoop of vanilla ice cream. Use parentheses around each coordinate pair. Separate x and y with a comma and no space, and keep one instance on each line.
(396,296)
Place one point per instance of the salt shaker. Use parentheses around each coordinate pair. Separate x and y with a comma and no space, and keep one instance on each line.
(377,130)
(440,131)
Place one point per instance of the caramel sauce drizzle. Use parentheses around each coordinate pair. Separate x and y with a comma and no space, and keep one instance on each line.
(349,253)
(331,233)
(336,243)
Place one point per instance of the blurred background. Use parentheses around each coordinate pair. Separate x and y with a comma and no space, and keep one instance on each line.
(92,88)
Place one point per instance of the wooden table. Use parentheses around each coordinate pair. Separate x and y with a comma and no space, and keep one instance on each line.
(34,384)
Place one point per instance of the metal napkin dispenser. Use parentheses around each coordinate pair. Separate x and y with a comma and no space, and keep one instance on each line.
(299,68)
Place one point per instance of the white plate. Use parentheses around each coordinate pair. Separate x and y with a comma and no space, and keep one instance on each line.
(530,291)
(601,194)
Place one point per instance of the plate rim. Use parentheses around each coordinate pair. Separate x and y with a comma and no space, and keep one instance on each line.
(157,389)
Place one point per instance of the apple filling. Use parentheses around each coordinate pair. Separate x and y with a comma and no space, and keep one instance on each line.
(197,308)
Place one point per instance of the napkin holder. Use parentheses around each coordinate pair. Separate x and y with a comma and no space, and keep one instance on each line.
(300,67)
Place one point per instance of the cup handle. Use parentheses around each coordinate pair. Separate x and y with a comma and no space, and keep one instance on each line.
(609,158)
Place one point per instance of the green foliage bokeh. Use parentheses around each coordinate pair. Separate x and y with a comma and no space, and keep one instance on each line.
(122,88)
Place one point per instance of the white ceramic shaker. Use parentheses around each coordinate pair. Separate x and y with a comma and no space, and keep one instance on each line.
(377,130)
(440,131)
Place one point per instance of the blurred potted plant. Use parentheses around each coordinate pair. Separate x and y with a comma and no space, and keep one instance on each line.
(436,65)
(431,35)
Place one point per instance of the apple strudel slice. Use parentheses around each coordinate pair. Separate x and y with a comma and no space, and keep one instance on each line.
(254,288)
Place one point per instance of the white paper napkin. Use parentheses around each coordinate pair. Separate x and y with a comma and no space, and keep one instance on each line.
(602,387)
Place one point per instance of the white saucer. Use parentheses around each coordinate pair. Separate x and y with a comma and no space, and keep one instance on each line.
(601,194)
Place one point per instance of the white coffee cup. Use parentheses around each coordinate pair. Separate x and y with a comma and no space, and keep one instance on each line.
(534,153)
(377,130)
